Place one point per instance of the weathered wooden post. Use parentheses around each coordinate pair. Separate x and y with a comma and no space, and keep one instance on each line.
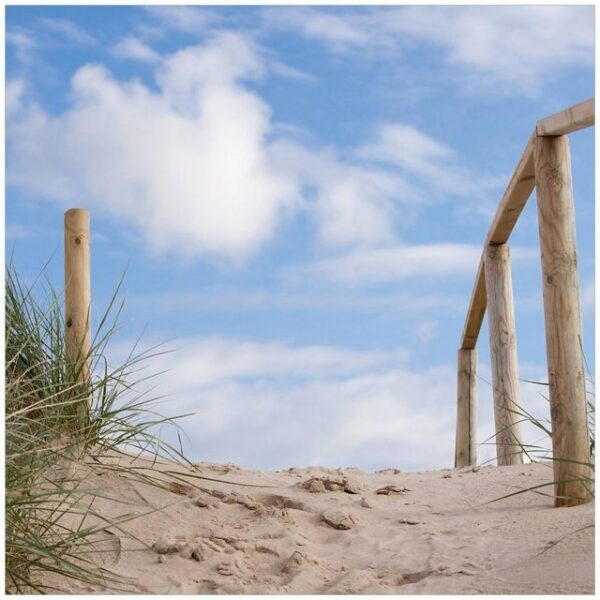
(566,376)
(466,417)
(503,354)
(78,290)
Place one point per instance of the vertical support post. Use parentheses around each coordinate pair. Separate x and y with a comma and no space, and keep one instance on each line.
(466,417)
(503,354)
(77,290)
(566,375)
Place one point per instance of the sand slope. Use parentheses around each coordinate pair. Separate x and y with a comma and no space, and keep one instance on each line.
(431,533)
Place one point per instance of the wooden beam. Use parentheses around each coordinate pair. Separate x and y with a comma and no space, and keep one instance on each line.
(569,120)
(514,199)
(476,311)
(568,408)
(466,414)
(78,290)
(503,355)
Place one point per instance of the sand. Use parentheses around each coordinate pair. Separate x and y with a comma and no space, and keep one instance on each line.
(337,531)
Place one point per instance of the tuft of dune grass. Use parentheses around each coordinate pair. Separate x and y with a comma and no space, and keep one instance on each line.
(57,430)
(538,453)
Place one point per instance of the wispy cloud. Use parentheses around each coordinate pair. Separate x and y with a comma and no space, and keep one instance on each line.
(183,19)
(525,47)
(367,266)
(23,43)
(588,296)
(336,29)
(321,405)
(133,48)
(66,30)
(17,231)
(392,263)
(419,154)
(223,300)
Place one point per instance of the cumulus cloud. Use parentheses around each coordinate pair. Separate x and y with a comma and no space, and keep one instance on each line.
(186,164)
(521,46)
(199,167)
(353,204)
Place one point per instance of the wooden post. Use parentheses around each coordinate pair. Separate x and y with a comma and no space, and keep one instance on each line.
(503,354)
(77,290)
(466,418)
(568,407)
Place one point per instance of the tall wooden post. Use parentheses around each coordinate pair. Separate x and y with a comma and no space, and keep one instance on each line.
(77,290)
(466,417)
(570,437)
(503,354)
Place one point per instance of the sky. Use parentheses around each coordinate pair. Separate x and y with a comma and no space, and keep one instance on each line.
(299,197)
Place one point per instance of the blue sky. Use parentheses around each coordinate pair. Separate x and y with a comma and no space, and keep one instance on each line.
(299,196)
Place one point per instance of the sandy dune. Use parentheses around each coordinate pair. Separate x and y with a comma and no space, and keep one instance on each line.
(318,530)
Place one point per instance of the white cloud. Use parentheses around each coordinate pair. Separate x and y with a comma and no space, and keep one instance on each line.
(425,331)
(364,266)
(67,30)
(222,299)
(408,148)
(198,166)
(23,44)
(184,19)
(14,93)
(588,297)
(211,360)
(288,72)
(17,231)
(375,265)
(353,204)
(519,45)
(187,165)
(276,405)
(524,47)
(334,29)
(132,48)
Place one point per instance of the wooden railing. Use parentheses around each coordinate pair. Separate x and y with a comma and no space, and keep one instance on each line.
(546,165)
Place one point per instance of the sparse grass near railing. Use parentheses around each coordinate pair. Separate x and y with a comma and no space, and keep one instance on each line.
(58,430)
(538,453)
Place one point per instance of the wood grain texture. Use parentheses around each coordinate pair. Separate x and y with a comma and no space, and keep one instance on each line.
(77,289)
(566,375)
(503,354)
(513,201)
(569,120)
(466,417)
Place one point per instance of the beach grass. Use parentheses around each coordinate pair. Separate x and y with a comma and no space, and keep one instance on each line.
(58,428)
(542,453)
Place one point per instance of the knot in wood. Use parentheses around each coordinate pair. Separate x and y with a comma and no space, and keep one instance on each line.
(556,178)
(69,322)
(506,339)
(77,241)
